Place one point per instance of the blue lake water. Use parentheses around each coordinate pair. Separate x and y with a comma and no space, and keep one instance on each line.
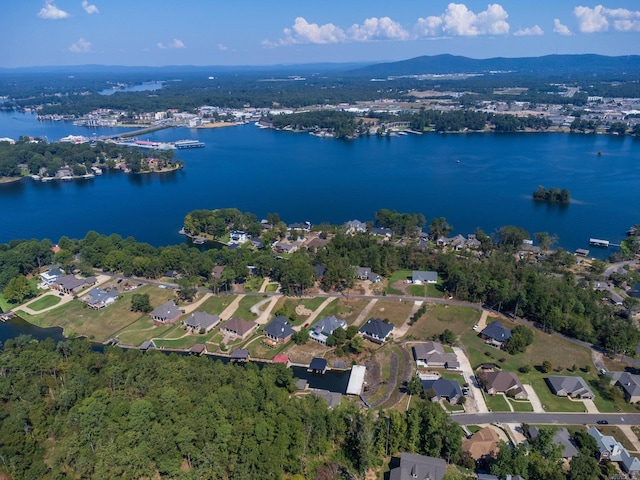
(474,180)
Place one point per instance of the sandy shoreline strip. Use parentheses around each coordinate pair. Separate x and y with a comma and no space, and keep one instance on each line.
(217,125)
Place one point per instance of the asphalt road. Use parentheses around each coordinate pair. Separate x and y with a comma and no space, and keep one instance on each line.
(548,418)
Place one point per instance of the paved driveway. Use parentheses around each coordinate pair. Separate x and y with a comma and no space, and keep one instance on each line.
(475,402)
(533,398)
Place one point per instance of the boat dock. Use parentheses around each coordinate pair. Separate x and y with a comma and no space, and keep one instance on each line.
(597,242)
(356,380)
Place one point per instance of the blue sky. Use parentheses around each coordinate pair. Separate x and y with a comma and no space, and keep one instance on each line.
(259,32)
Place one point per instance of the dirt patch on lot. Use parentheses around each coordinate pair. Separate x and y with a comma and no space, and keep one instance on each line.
(303,311)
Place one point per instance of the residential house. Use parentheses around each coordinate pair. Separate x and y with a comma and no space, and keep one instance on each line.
(418,467)
(482,444)
(333,399)
(166,313)
(561,437)
(495,334)
(72,285)
(574,387)
(324,327)
(630,385)
(376,330)
(303,227)
(238,236)
(317,243)
(355,226)
(443,388)
(279,330)
(610,449)
(381,232)
(98,298)
(51,275)
(201,320)
(504,382)
(237,328)
(419,277)
(286,246)
(432,354)
(365,273)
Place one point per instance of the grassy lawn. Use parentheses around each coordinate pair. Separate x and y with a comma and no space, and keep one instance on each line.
(520,405)
(449,375)
(45,301)
(253,284)
(348,309)
(497,403)
(396,312)
(244,308)
(399,275)
(4,305)
(216,305)
(459,320)
(427,290)
(551,402)
(451,408)
(271,287)
(99,325)
(313,303)
(257,349)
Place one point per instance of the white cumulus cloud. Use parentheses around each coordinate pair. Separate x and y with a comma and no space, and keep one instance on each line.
(458,20)
(89,8)
(222,47)
(561,29)
(526,32)
(175,43)
(50,12)
(305,32)
(377,29)
(591,20)
(81,46)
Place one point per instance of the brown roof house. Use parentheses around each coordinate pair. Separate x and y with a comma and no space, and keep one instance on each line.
(166,313)
(482,444)
(237,327)
(504,382)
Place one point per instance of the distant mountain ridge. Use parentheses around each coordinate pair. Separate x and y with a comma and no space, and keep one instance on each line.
(548,65)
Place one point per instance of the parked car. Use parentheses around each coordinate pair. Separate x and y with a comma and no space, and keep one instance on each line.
(602,422)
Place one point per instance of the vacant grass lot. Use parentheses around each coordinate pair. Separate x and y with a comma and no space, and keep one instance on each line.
(216,305)
(45,301)
(459,320)
(401,275)
(348,309)
(244,308)
(427,290)
(394,311)
(99,325)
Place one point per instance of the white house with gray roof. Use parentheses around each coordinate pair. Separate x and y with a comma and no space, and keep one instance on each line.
(419,277)
(610,449)
(166,313)
(324,327)
(98,298)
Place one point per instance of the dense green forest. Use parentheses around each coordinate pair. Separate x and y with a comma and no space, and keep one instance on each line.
(27,157)
(553,195)
(69,412)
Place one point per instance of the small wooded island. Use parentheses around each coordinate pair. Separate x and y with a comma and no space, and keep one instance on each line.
(553,195)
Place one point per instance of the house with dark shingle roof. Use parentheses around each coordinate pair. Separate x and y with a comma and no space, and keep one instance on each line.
(630,385)
(166,313)
(376,330)
(495,334)
(574,387)
(610,449)
(418,467)
(279,330)
(52,275)
(443,388)
(199,320)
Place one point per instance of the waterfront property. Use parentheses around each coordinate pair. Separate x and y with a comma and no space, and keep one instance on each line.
(198,321)
(51,276)
(324,327)
(376,330)
(279,330)
(166,313)
(71,284)
(238,328)
(98,298)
